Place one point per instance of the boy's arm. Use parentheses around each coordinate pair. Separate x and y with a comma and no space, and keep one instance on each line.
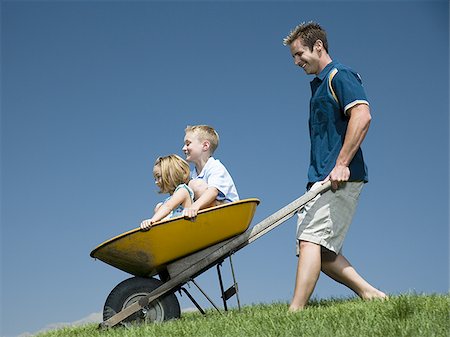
(205,200)
(177,198)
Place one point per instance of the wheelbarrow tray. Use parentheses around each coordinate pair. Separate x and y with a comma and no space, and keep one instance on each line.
(146,253)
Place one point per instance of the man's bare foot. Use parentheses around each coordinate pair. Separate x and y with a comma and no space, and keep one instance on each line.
(293,308)
(374,294)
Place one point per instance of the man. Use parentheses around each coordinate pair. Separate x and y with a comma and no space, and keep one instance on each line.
(339,120)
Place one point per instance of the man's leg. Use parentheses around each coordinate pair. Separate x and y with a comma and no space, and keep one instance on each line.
(308,271)
(339,269)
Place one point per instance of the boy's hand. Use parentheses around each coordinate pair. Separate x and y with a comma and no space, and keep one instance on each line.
(146,224)
(190,212)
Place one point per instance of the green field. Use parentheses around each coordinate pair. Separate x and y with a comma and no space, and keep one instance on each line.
(404,315)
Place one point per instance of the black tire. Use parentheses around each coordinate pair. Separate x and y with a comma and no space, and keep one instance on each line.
(130,291)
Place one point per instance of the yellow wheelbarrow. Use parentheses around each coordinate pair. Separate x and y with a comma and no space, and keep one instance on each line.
(178,250)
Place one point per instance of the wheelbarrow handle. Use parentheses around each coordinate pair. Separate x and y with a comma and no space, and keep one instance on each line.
(324,187)
(281,215)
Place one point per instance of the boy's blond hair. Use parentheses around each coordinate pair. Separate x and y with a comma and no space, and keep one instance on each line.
(174,171)
(205,132)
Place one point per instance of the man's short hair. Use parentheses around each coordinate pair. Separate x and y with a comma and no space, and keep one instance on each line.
(205,132)
(309,33)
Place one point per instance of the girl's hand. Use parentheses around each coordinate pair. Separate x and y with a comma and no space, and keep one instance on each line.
(146,224)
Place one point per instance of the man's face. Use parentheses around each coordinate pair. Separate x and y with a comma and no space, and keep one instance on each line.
(304,57)
(193,147)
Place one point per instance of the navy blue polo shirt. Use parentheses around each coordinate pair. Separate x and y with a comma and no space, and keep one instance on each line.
(334,91)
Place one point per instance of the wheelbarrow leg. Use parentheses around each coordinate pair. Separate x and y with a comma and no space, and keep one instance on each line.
(231,291)
(206,295)
(235,285)
(219,274)
(193,301)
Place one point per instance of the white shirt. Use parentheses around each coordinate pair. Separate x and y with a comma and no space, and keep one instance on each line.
(216,175)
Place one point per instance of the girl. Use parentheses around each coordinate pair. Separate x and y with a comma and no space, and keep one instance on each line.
(171,176)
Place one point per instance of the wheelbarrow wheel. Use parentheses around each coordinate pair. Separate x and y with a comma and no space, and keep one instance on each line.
(130,291)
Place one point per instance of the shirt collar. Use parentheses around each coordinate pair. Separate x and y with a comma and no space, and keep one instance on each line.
(208,162)
(326,70)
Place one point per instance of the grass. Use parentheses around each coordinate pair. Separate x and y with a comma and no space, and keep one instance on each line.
(404,315)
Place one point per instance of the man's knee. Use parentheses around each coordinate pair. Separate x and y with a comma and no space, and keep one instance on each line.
(303,245)
(328,255)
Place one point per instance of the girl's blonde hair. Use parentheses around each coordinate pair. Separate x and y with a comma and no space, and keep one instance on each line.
(174,171)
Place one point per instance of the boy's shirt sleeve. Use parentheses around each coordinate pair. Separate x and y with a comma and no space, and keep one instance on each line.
(349,90)
(218,178)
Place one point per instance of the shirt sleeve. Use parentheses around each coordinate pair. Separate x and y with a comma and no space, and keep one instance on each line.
(349,90)
(219,179)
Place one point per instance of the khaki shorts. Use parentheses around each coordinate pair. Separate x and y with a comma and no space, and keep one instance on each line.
(326,219)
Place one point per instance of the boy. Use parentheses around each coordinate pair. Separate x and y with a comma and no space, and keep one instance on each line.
(211,182)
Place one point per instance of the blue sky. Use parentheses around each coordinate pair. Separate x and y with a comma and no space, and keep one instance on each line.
(92,92)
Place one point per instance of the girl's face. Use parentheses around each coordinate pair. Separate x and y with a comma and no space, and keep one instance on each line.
(157,175)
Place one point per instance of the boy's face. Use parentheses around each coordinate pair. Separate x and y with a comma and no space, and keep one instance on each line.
(193,147)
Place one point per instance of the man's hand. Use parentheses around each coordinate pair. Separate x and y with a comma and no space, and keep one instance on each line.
(338,175)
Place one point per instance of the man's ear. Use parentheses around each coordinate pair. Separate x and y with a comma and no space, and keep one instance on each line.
(318,45)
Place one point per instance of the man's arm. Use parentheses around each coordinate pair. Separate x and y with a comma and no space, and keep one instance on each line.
(358,126)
